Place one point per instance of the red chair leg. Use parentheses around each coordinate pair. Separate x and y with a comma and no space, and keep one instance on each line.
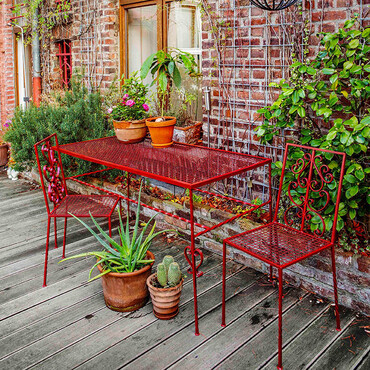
(337,317)
(64,237)
(110,227)
(46,252)
(223,285)
(280,340)
(55,232)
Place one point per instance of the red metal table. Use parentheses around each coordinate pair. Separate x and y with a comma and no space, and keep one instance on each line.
(187,166)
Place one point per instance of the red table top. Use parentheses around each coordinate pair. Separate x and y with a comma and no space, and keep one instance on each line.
(188,166)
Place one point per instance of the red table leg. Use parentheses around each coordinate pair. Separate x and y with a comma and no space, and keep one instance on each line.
(193,265)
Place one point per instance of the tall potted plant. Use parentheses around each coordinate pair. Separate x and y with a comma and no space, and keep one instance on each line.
(164,67)
(130,111)
(124,267)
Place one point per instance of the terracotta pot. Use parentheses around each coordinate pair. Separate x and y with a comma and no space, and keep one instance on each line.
(130,131)
(191,134)
(126,291)
(165,300)
(3,154)
(161,132)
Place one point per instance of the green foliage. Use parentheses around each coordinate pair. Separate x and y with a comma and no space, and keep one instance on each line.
(168,272)
(128,255)
(334,88)
(164,68)
(131,104)
(76,115)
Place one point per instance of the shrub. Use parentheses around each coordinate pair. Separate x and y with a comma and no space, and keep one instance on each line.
(75,115)
(331,91)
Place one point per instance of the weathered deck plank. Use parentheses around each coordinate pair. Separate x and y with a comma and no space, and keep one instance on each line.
(67,325)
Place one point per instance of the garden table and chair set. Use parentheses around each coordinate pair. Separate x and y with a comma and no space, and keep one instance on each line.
(288,238)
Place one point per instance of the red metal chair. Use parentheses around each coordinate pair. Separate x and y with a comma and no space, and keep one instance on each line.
(310,188)
(63,203)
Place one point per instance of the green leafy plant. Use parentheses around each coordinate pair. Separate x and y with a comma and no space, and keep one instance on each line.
(328,99)
(128,255)
(75,115)
(165,70)
(168,272)
(132,102)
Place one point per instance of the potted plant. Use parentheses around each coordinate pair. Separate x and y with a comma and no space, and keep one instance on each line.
(125,267)
(165,288)
(130,111)
(165,65)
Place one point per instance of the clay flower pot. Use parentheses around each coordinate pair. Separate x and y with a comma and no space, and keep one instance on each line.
(165,300)
(191,134)
(126,291)
(3,154)
(161,132)
(130,131)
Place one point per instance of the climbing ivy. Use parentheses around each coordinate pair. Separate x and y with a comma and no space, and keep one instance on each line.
(328,100)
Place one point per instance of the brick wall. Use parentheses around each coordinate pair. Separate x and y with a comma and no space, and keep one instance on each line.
(7,91)
(93,30)
(255,48)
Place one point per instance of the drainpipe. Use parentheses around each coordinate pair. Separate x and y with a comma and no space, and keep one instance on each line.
(36,75)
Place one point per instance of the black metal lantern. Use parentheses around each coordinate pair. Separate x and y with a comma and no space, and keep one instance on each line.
(273,5)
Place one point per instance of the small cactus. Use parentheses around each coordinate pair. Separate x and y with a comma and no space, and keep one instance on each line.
(167,260)
(174,274)
(162,274)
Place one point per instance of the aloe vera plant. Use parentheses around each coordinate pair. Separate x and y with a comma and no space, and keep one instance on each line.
(127,256)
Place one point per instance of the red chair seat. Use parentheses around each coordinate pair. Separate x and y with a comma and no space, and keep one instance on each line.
(83,205)
(278,244)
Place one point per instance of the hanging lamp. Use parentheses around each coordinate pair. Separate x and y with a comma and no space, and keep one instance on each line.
(273,5)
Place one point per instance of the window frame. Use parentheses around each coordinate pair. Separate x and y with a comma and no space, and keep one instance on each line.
(161,26)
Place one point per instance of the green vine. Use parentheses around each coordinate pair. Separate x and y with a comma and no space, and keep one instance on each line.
(328,101)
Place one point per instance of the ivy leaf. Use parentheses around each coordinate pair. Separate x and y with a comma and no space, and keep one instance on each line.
(353,204)
(367,67)
(301,112)
(360,174)
(353,44)
(344,137)
(340,224)
(352,213)
(350,178)
(347,65)
(331,135)
(351,192)
(306,139)
(311,71)
(356,69)
(328,71)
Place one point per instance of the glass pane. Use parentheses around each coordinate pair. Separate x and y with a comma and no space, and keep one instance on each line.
(142,35)
(183,25)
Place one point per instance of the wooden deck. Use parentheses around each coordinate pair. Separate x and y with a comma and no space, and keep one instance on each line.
(66,325)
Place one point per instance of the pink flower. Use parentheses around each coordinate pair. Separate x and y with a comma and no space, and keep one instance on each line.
(130,103)
(110,110)
(125,97)
(146,107)
(7,123)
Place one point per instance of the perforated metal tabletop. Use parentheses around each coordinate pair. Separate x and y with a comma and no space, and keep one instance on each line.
(188,166)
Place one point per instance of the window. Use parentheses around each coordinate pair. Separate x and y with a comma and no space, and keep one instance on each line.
(148,26)
(65,62)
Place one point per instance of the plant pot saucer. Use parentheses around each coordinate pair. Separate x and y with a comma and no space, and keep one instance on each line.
(162,145)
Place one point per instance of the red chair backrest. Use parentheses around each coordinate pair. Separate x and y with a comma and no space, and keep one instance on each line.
(51,173)
(311,188)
